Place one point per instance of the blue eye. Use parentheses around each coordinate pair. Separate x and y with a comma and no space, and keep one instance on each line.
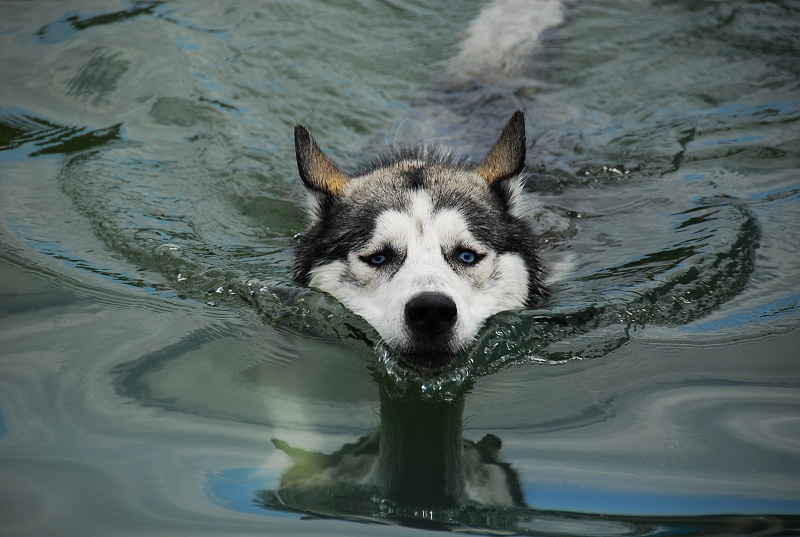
(377,259)
(468,257)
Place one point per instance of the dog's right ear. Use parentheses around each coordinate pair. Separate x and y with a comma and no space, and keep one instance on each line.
(317,171)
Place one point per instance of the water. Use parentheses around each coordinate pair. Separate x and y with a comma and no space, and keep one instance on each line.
(161,373)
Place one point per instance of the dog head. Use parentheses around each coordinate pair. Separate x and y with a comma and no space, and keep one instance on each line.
(424,247)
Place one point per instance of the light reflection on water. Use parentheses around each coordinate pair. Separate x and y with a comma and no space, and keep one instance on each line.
(147,160)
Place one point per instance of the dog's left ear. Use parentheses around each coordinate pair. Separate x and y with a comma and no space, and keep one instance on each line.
(317,171)
(507,157)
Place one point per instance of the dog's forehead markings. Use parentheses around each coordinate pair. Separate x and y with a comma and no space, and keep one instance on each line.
(418,226)
(404,178)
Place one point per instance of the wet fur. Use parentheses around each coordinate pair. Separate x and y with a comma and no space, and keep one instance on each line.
(420,208)
(492,212)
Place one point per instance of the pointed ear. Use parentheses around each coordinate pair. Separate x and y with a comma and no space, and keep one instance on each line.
(507,157)
(317,171)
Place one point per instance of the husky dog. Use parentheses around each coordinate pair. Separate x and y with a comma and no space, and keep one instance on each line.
(420,244)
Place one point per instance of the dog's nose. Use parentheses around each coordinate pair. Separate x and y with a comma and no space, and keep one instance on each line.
(431,312)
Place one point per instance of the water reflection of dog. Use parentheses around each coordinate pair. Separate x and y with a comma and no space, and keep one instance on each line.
(417,458)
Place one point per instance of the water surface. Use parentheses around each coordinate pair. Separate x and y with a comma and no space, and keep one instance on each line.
(161,373)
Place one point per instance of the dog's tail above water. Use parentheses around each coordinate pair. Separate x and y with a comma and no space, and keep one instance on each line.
(503,51)
(502,40)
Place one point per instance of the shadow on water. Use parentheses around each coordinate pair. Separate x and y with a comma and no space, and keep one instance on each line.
(417,470)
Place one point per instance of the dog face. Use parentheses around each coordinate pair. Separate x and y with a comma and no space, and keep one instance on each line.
(422,247)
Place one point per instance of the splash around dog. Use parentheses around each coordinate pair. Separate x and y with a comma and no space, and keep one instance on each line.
(422,245)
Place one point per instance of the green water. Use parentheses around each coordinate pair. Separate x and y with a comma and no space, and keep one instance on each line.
(160,373)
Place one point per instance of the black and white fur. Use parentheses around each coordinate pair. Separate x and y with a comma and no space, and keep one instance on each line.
(423,246)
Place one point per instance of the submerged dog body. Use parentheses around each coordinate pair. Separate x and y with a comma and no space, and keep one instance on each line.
(421,245)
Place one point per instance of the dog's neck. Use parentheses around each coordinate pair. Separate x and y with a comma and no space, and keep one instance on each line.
(421,452)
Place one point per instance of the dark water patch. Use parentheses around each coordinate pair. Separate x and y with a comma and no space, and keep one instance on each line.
(60,30)
(98,76)
(20,131)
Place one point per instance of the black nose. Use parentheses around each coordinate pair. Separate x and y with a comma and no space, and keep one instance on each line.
(432,313)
